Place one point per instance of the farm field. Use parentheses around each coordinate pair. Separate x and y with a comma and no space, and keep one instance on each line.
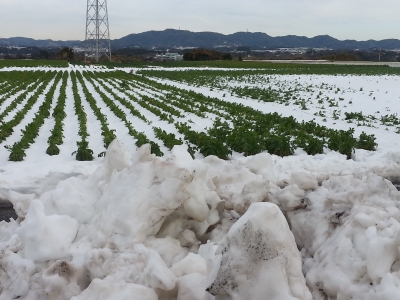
(27,63)
(215,112)
(145,157)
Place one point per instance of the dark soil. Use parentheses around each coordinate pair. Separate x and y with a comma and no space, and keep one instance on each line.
(7,211)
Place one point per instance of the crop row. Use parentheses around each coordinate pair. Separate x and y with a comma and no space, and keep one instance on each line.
(26,88)
(31,131)
(83,153)
(16,83)
(56,137)
(250,131)
(139,136)
(236,127)
(7,128)
(329,99)
(33,63)
(270,67)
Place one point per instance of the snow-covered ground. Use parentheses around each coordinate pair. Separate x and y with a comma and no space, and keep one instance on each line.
(135,226)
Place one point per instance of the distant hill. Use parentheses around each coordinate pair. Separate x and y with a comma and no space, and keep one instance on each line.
(28,42)
(170,38)
(182,38)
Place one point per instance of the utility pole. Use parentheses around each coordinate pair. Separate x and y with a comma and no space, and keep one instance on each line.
(97,38)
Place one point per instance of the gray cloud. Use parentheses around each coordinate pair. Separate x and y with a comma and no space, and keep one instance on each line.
(343,19)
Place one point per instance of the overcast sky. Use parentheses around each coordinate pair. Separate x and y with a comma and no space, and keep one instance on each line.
(342,19)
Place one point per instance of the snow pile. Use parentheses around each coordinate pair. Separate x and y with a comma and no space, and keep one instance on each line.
(134,226)
(259,242)
(144,227)
(350,233)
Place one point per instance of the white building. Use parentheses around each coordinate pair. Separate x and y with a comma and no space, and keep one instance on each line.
(169,56)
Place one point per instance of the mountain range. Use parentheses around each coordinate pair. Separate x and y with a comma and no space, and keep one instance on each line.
(171,38)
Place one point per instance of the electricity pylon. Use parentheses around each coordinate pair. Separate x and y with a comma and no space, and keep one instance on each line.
(97,39)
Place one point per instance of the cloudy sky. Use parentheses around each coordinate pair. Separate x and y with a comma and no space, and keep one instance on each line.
(342,19)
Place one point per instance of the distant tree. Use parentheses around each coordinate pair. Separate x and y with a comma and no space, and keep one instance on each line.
(227,56)
(341,57)
(67,53)
(243,48)
(201,55)
(43,54)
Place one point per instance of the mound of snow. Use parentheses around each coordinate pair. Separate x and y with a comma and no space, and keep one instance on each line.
(144,227)
(350,232)
(260,259)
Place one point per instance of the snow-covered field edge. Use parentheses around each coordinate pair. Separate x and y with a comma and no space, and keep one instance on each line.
(144,227)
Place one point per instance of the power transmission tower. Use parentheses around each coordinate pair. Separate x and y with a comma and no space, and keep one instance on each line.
(97,39)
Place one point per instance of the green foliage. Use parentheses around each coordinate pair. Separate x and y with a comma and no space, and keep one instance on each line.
(202,55)
(66,53)
(343,142)
(31,130)
(155,149)
(53,150)
(108,134)
(16,152)
(367,142)
(279,145)
(168,139)
(227,56)
(83,153)
(207,145)
(354,116)
(33,63)
(284,68)
(56,137)
(310,144)
(7,128)
(136,99)
(390,120)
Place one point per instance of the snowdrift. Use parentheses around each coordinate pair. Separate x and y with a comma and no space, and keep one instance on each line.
(144,227)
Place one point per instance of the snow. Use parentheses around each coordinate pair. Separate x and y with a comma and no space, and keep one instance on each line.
(260,258)
(135,226)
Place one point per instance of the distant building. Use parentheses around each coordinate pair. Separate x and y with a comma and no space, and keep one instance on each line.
(169,56)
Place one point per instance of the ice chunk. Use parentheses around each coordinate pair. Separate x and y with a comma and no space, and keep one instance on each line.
(46,237)
(182,156)
(208,252)
(291,197)
(106,290)
(168,248)
(262,164)
(157,273)
(192,287)
(63,280)
(192,263)
(381,254)
(304,181)
(187,238)
(253,191)
(15,274)
(117,158)
(354,232)
(196,207)
(72,197)
(260,258)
